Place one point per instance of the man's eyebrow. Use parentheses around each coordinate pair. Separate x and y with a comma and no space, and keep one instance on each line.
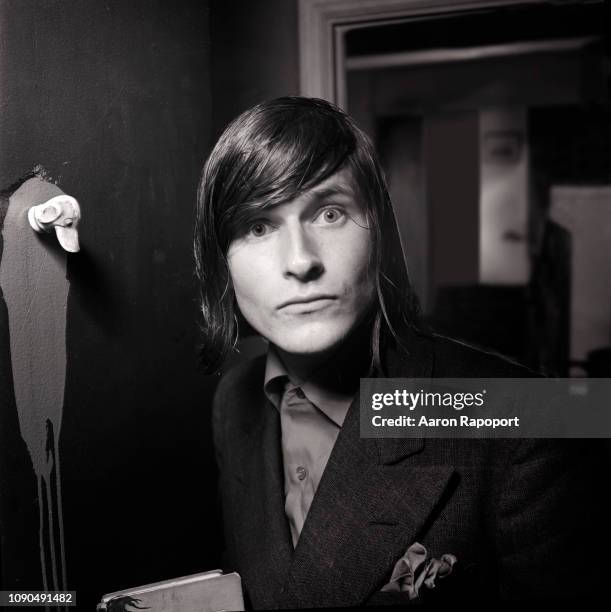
(327,192)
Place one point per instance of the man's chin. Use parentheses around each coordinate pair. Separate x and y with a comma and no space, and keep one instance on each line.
(312,343)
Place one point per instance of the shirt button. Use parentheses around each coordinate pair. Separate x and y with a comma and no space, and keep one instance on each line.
(301,472)
(299,393)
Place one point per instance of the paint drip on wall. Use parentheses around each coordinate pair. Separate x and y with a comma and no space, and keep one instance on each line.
(35,289)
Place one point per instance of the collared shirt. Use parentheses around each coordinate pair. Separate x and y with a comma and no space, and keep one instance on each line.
(311,417)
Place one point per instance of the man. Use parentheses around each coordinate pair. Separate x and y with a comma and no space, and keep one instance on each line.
(296,238)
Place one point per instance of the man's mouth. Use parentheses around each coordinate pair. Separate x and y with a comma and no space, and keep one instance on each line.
(307,304)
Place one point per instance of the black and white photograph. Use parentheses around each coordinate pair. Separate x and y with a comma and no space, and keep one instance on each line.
(304,304)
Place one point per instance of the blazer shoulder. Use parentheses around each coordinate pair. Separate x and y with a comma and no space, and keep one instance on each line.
(457,359)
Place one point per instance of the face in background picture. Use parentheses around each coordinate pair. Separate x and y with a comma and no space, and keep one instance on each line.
(301,270)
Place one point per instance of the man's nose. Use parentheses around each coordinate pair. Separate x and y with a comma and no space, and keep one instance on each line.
(302,255)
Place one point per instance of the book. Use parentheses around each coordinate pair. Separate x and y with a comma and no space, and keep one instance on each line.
(210,591)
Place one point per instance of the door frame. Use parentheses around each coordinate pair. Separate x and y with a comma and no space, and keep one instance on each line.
(323,23)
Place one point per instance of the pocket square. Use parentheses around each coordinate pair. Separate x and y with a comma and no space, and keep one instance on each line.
(413,570)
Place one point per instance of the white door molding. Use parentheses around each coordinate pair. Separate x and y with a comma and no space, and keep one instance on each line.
(323,22)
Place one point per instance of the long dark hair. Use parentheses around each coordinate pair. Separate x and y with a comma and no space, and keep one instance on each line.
(267,156)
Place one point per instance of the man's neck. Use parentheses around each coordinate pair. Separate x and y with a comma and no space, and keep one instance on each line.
(347,362)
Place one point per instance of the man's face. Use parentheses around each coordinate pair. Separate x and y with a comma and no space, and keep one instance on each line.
(301,270)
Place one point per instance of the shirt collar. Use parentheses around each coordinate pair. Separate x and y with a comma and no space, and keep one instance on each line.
(334,404)
(275,378)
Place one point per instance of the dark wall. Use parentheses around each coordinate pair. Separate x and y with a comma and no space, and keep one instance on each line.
(255,54)
(113,99)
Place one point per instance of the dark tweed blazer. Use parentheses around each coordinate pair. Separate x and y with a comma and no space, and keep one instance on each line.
(517,514)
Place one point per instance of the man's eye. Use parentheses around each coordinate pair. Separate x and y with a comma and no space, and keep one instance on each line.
(258,229)
(331,215)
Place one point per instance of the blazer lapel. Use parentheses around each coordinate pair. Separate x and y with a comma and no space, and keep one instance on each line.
(364,516)
(263,539)
(370,505)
